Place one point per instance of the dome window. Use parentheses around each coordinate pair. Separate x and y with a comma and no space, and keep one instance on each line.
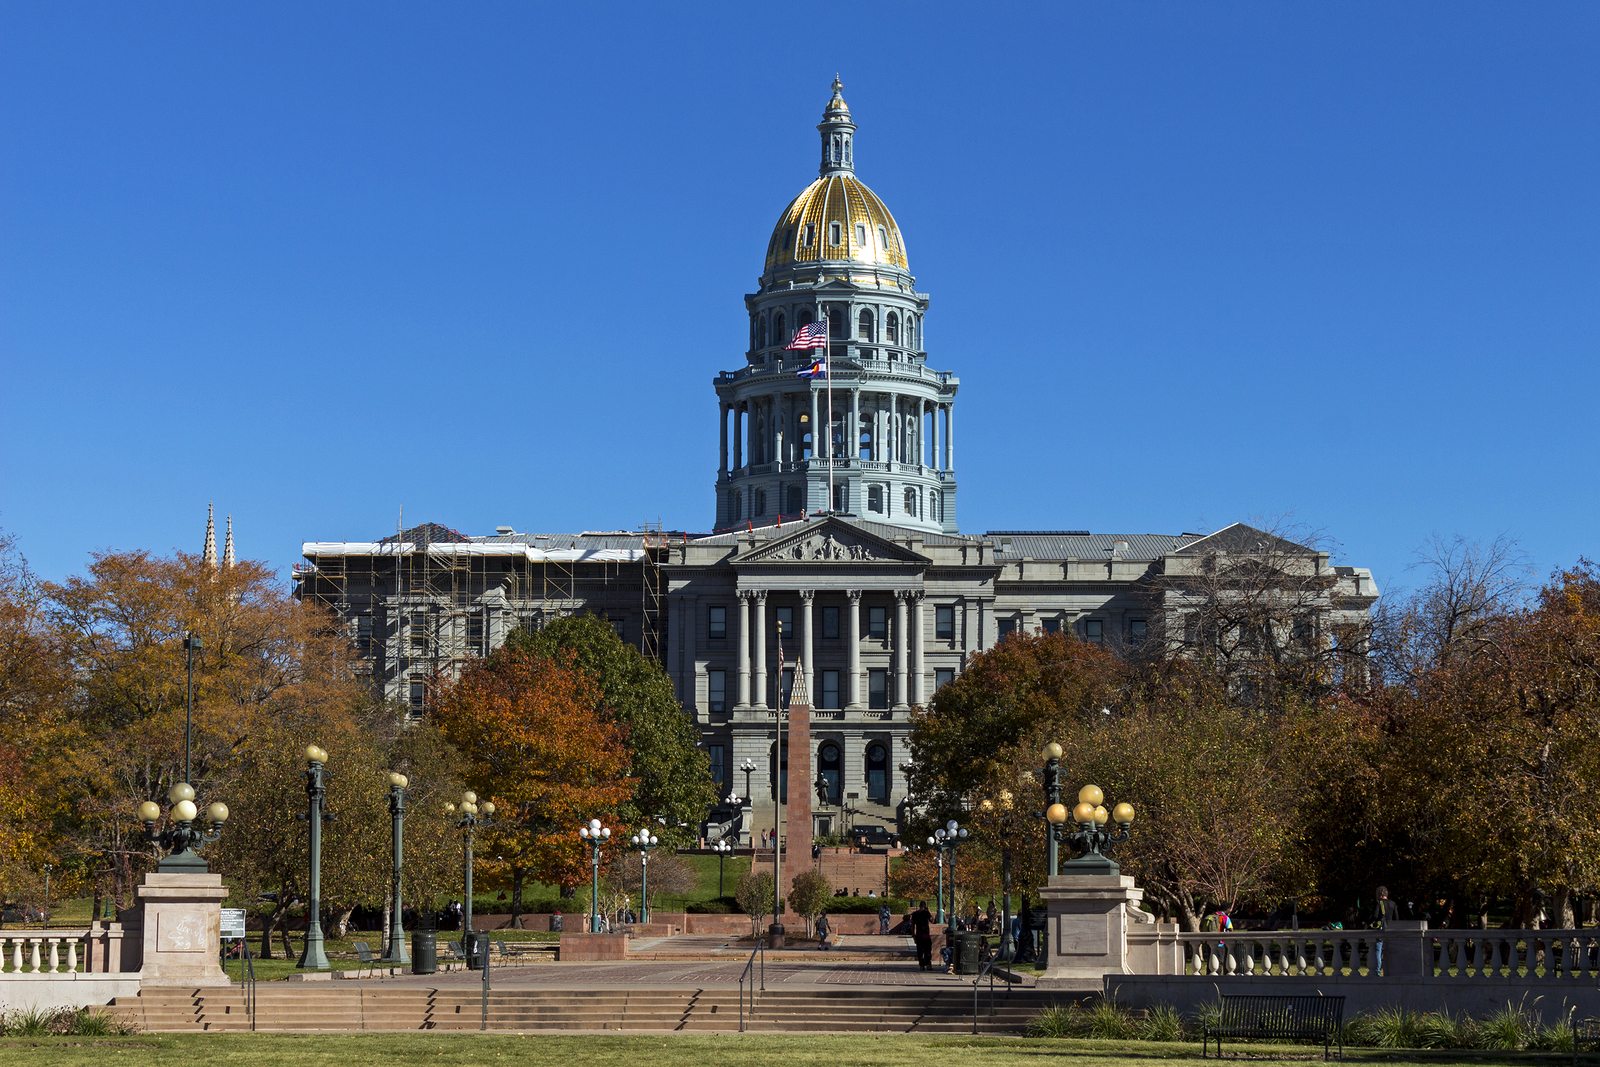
(875,498)
(911,502)
(761,331)
(864,326)
(811,234)
(892,328)
(836,328)
(861,234)
(778,336)
(883,239)
(835,233)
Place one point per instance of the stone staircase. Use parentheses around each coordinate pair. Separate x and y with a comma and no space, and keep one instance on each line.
(284,1007)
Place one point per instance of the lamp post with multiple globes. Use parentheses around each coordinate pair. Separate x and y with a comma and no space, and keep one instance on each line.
(595,834)
(472,814)
(1091,836)
(944,841)
(182,836)
(644,841)
(998,811)
(721,848)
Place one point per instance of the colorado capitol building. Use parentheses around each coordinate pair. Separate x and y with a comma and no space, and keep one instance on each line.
(846,536)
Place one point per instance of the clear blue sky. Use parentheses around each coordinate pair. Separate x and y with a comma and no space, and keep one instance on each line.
(1194,263)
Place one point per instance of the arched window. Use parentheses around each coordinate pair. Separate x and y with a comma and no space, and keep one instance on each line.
(830,772)
(761,331)
(864,326)
(911,501)
(779,337)
(836,325)
(875,498)
(935,506)
(797,500)
(877,773)
(835,233)
(892,325)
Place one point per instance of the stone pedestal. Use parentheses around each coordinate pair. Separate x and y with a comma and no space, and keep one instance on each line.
(173,936)
(1088,925)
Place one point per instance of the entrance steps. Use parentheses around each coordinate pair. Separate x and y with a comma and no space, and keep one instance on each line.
(864,1009)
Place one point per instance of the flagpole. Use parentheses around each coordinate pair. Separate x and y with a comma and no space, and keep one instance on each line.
(827,366)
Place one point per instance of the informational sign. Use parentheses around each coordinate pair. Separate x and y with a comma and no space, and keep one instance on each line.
(232,923)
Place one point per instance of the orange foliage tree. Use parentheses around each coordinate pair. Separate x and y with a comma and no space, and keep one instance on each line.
(534,741)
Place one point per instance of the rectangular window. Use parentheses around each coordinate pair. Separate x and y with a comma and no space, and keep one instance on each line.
(1138,630)
(830,623)
(364,634)
(419,631)
(1007,627)
(878,690)
(786,686)
(829,697)
(418,697)
(717,691)
(785,617)
(878,623)
(1094,630)
(1052,626)
(942,677)
(719,767)
(475,635)
(717,622)
(944,622)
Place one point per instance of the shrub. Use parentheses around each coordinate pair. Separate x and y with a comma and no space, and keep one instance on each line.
(1058,1020)
(1389,1027)
(1105,1021)
(74,1022)
(718,906)
(1161,1023)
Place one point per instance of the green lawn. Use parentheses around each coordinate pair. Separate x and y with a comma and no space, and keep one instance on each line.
(676,1050)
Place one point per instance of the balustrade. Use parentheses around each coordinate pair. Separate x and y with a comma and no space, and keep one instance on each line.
(1449,955)
(41,952)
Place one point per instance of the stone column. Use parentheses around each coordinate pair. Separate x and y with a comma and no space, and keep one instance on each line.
(807,644)
(950,443)
(743,656)
(853,642)
(760,667)
(722,466)
(817,446)
(853,438)
(919,672)
(900,649)
(738,437)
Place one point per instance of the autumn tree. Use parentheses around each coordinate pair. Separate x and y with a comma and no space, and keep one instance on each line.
(673,775)
(534,739)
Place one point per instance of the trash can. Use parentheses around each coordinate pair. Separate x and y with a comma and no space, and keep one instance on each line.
(477,950)
(557,923)
(424,952)
(968,944)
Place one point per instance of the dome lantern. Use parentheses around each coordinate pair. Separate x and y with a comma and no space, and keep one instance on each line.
(838,135)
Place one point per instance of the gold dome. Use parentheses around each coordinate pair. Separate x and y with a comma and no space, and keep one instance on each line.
(837,219)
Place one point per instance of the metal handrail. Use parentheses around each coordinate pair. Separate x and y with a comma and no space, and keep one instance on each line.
(987,969)
(248,979)
(749,974)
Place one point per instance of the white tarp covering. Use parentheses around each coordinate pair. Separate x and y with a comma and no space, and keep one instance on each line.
(531,553)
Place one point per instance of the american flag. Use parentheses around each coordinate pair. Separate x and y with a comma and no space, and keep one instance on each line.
(811,335)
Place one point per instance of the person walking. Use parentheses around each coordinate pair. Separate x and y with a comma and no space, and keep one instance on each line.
(922,934)
(883,919)
(824,932)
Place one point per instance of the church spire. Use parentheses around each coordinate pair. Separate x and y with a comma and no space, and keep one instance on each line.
(227,546)
(838,134)
(208,554)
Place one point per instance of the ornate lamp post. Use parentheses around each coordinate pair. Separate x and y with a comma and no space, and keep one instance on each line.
(721,849)
(644,841)
(397,819)
(313,955)
(182,836)
(1091,837)
(749,768)
(1001,811)
(596,835)
(1052,797)
(471,815)
(944,840)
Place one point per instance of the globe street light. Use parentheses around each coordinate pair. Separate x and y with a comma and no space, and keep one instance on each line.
(945,839)
(182,836)
(749,768)
(1001,812)
(644,841)
(1052,797)
(313,955)
(721,849)
(595,835)
(397,819)
(471,815)
(1090,816)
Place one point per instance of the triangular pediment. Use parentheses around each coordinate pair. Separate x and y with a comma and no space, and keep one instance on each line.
(1244,540)
(830,542)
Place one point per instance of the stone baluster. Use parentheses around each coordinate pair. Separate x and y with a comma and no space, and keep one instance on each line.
(72,955)
(55,955)
(33,954)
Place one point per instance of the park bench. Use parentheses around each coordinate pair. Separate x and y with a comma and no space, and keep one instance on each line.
(366,959)
(1585,1037)
(1277,1018)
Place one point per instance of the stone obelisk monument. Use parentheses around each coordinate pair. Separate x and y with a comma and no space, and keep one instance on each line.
(797,797)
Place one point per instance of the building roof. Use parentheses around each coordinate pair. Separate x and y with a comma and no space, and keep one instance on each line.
(1075,544)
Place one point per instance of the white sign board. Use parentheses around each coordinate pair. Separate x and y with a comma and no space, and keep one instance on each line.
(232,922)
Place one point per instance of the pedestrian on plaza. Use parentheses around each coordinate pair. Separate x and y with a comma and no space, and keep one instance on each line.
(1384,912)
(883,919)
(922,934)
(824,932)
(763,839)
(1024,936)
